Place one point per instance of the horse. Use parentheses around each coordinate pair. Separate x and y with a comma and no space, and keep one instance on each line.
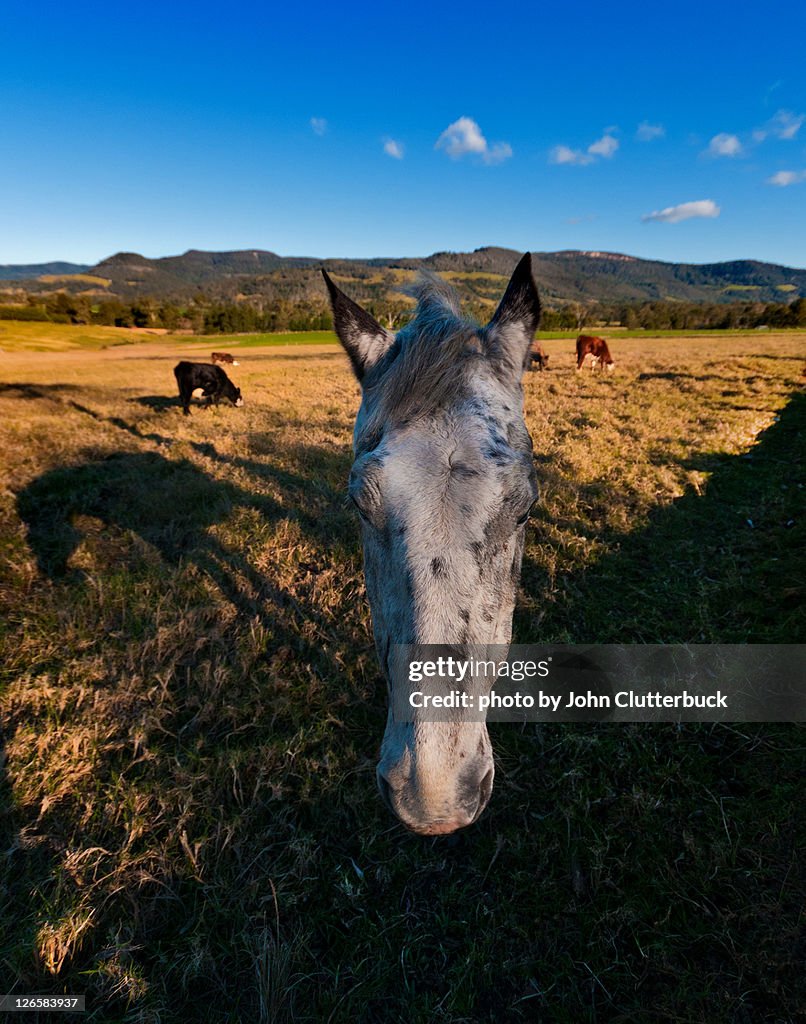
(443,481)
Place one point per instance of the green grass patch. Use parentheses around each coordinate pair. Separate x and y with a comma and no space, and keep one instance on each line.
(220,342)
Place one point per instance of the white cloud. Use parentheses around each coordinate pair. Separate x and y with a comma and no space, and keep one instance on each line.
(566,155)
(393,148)
(684,211)
(498,153)
(604,147)
(724,145)
(319,125)
(785,124)
(784,178)
(647,132)
(464,137)
(782,125)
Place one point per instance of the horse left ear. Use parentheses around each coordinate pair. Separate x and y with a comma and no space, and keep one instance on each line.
(363,338)
(510,333)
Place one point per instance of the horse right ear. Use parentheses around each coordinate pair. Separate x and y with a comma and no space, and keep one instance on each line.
(364,340)
(511,331)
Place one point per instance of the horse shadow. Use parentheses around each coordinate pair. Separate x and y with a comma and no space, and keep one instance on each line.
(171,506)
(150,518)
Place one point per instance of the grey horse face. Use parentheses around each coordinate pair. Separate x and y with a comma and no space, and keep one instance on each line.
(443,482)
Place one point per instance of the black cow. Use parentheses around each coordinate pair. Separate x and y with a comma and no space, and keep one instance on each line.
(212,380)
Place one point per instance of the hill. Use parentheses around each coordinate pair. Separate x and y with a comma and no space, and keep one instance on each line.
(569,276)
(25,271)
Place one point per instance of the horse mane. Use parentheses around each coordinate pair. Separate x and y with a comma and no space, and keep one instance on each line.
(431,357)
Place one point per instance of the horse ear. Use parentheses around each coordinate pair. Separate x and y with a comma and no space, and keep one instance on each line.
(511,331)
(364,340)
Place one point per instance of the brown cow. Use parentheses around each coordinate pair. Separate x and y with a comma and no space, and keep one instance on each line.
(224,357)
(538,355)
(596,348)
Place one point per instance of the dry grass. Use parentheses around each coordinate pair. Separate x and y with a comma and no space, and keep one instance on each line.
(82,278)
(192,710)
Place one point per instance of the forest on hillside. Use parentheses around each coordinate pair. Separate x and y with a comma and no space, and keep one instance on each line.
(205,315)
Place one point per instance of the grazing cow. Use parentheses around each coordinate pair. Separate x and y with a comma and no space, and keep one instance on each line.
(224,357)
(596,348)
(538,355)
(212,380)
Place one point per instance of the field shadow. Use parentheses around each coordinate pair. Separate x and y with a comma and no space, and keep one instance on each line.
(61,392)
(158,403)
(700,378)
(38,391)
(728,565)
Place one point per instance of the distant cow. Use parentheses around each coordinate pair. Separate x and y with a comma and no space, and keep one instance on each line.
(224,357)
(212,380)
(539,356)
(596,348)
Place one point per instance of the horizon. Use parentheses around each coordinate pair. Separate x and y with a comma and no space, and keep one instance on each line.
(598,134)
(604,253)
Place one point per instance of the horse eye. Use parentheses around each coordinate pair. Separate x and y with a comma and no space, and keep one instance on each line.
(523,519)
(360,510)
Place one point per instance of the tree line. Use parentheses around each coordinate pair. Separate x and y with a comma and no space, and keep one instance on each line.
(676,315)
(199,316)
(203,315)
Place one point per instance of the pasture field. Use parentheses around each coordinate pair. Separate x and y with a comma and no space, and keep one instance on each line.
(33,336)
(26,336)
(192,708)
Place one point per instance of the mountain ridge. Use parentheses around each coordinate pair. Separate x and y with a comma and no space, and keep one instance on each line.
(24,271)
(569,275)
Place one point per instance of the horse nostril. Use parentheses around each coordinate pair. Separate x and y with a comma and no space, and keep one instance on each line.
(386,791)
(485,791)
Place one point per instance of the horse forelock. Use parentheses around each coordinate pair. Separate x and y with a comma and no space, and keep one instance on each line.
(429,365)
(435,297)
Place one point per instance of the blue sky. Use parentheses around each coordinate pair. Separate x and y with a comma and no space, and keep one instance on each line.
(367,130)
